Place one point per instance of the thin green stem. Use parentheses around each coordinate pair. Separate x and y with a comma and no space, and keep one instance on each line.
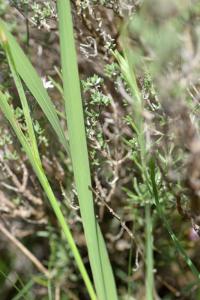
(138,125)
(149,253)
(66,231)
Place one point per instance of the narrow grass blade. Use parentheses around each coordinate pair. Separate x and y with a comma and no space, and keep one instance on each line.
(101,269)
(161,214)
(127,70)
(37,166)
(129,75)
(149,253)
(10,116)
(25,107)
(32,81)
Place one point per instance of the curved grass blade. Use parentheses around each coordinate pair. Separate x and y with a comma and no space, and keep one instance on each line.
(99,261)
(37,166)
(25,107)
(32,81)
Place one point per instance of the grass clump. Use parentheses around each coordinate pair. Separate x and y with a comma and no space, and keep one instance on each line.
(113,145)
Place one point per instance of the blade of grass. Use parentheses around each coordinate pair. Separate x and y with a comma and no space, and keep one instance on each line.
(37,166)
(32,81)
(127,70)
(100,264)
(50,294)
(149,253)
(24,103)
